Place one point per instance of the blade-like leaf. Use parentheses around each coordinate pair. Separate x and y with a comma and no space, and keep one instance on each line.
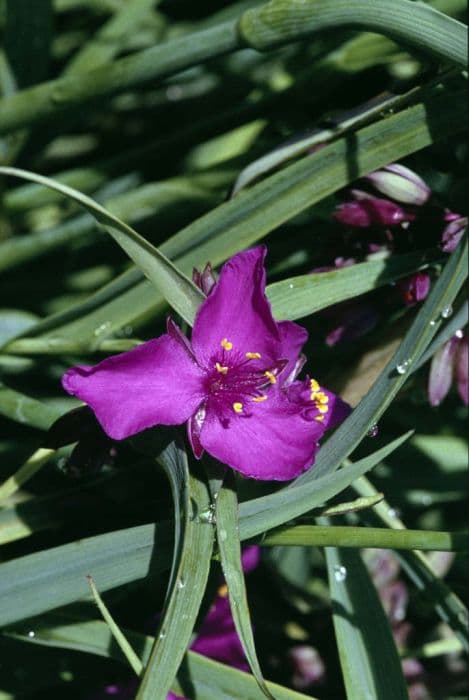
(229,545)
(191,566)
(368,656)
(175,287)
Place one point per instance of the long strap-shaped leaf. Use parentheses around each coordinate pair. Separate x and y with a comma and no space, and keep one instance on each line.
(205,677)
(368,656)
(55,576)
(191,565)
(278,22)
(242,221)
(229,545)
(179,291)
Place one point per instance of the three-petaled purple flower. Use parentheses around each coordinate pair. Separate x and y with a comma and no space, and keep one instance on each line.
(234,383)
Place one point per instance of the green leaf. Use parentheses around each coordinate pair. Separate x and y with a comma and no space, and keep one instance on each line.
(191,566)
(368,656)
(242,221)
(256,515)
(229,545)
(347,536)
(417,25)
(24,409)
(175,287)
(198,675)
(300,296)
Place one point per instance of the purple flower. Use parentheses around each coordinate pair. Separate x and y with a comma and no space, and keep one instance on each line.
(414,288)
(451,360)
(400,183)
(233,383)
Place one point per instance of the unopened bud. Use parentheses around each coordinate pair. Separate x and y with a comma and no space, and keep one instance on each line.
(400,183)
(204,280)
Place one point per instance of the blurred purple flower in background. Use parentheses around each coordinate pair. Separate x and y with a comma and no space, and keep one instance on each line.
(234,383)
(450,362)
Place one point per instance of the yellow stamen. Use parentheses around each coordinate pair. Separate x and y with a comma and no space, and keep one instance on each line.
(238,407)
(271,377)
(225,343)
(223,591)
(321,397)
(253,355)
(322,409)
(314,385)
(220,368)
(319,418)
(258,399)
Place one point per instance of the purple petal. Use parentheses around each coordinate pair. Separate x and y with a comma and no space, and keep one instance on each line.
(462,370)
(155,383)
(441,371)
(299,393)
(371,211)
(414,288)
(250,558)
(351,321)
(274,441)
(292,338)
(217,636)
(453,232)
(237,310)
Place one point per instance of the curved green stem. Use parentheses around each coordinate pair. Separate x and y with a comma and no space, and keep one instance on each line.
(415,24)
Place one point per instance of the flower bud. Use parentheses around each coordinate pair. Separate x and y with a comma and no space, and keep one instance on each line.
(401,184)
(204,280)
(308,667)
(462,370)
(370,211)
(441,371)
(453,231)
(414,288)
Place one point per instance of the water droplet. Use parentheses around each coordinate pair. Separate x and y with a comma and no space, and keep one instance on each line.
(162,635)
(102,328)
(31,634)
(403,366)
(433,322)
(373,431)
(290,286)
(181,584)
(208,516)
(459,333)
(393,513)
(446,313)
(340,573)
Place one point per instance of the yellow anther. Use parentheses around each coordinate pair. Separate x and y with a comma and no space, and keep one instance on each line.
(322,409)
(253,355)
(319,418)
(321,397)
(223,591)
(313,396)
(238,407)
(220,368)
(271,377)
(314,385)
(258,399)
(225,343)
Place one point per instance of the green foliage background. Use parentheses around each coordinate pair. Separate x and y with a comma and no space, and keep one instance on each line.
(167,134)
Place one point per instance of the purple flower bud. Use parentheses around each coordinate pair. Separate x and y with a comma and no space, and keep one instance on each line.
(462,370)
(441,371)
(308,667)
(453,232)
(414,288)
(394,598)
(204,280)
(369,211)
(401,184)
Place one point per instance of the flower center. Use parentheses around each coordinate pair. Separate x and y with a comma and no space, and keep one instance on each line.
(239,379)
